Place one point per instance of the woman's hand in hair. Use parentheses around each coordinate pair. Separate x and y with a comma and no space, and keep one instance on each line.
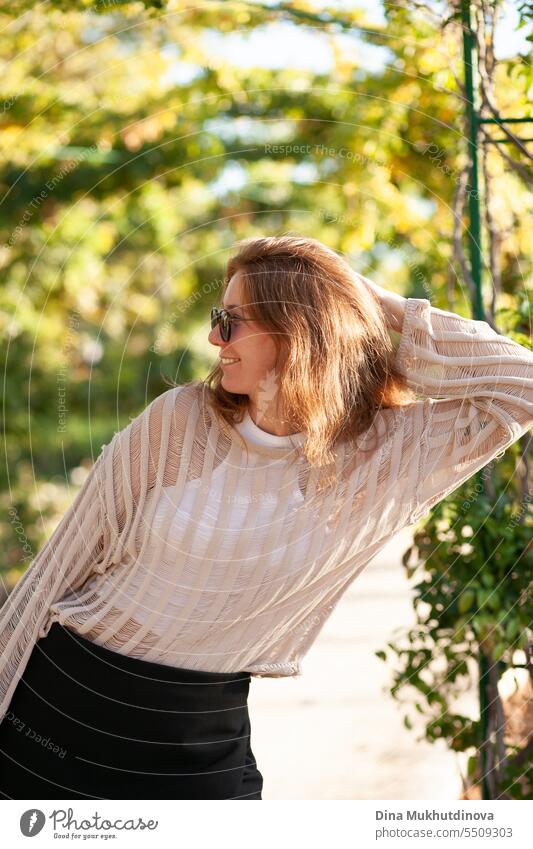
(392,304)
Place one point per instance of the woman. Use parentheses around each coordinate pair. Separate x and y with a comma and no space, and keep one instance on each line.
(218,530)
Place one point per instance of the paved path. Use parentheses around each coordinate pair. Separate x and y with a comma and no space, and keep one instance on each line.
(334,733)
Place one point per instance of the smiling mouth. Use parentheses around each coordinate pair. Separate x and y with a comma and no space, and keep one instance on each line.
(228,362)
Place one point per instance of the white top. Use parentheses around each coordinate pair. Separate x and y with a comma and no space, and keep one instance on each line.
(258,436)
(191,545)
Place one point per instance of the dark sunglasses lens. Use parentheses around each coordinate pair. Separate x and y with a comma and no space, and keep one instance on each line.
(221,318)
(225,327)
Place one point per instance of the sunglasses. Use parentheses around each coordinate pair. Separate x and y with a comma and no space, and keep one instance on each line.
(223,318)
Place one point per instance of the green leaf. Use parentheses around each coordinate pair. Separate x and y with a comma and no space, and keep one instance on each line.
(466,600)
(499,650)
(512,628)
(482,598)
(494,601)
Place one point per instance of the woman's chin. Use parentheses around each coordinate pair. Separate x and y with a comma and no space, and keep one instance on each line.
(230,384)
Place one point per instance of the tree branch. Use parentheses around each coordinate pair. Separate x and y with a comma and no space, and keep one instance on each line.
(526,175)
(457,245)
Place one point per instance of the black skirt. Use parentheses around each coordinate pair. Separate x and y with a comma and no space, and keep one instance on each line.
(86,722)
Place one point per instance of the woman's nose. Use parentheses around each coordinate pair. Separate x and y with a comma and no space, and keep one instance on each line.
(214,336)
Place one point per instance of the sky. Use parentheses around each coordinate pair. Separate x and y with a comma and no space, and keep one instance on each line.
(299,47)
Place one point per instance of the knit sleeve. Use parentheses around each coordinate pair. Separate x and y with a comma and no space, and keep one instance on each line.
(477,389)
(63,564)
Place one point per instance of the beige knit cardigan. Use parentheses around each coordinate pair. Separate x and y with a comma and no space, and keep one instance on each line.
(259,603)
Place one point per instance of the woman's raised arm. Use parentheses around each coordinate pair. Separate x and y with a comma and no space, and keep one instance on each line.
(477,393)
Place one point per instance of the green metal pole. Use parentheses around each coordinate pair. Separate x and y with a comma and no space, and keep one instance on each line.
(502,121)
(474,242)
(483,665)
(474,231)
